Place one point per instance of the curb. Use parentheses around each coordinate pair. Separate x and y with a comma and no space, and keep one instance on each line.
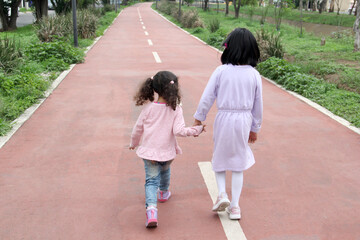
(18,122)
(321,109)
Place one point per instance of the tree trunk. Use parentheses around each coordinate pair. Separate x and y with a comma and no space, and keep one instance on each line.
(307,5)
(332,6)
(227,8)
(352,8)
(237,7)
(9,22)
(41,9)
(206,5)
(357,28)
(271,2)
(322,7)
(314,6)
(300,5)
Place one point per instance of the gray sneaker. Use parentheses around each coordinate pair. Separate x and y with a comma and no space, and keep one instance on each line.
(222,202)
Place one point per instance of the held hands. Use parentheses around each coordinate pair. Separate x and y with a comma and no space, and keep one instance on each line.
(199,123)
(131,148)
(252,137)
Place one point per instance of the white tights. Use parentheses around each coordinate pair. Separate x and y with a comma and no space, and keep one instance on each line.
(237,180)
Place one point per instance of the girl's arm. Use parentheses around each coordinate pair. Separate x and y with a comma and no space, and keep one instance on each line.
(257,109)
(137,130)
(208,97)
(179,128)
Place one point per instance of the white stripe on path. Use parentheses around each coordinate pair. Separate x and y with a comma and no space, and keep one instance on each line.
(144,27)
(232,229)
(156,56)
(142,23)
(150,42)
(146,33)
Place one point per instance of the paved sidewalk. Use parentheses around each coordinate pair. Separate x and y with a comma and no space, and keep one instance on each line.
(67,172)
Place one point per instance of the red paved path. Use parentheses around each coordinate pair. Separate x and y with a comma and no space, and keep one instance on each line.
(67,174)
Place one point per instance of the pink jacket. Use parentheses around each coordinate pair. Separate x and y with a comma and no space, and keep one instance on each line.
(158,125)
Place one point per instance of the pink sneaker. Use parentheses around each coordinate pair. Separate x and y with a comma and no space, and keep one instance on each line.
(234,213)
(163,196)
(222,202)
(151,217)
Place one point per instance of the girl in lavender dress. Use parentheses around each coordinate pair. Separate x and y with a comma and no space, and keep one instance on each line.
(236,86)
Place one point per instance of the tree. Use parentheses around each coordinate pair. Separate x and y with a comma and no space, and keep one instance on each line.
(206,5)
(357,28)
(338,5)
(237,7)
(226,7)
(61,6)
(9,21)
(279,12)
(322,7)
(41,9)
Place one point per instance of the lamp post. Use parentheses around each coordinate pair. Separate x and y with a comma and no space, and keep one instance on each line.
(75,23)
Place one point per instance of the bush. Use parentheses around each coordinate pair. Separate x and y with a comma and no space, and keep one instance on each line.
(269,44)
(51,28)
(275,69)
(46,51)
(343,103)
(108,8)
(214,24)
(87,24)
(9,54)
(191,19)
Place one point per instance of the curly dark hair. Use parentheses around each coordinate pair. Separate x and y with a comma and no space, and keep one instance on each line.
(165,84)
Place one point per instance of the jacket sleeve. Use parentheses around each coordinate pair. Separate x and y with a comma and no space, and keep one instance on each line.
(179,128)
(138,129)
(208,97)
(257,110)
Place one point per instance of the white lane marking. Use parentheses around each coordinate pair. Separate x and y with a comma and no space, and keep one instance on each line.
(146,33)
(232,229)
(142,23)
(150,42)
(139,13)
(144,27)
(156,56)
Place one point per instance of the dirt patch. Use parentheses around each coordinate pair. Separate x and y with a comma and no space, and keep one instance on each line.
(349,63)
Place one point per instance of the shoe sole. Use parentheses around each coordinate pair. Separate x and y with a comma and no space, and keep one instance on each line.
(164,200)
(222,206)
(152,224)
(235,217)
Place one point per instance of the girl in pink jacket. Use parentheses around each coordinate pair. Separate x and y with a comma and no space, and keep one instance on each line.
(158,124)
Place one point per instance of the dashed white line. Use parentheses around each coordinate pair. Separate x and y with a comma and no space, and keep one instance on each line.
(146,33)
(139,13)
(150,42)
(156,56)
(232,229)
(144,27)
(142,23)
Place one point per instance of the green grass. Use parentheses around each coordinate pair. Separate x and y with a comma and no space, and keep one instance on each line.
(335,63)
(26,84)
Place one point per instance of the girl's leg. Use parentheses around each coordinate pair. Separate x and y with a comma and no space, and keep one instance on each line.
(152,182)
(165,174)
(236,187)
(221,180)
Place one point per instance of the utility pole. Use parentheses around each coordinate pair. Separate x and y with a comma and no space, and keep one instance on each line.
(76,44)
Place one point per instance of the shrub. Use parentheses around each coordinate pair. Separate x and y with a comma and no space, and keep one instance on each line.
(41,52)
(87,24)
(275,69)
(108,8)
(269,44)
(214,24)
(9,54)
(191,19)
(51,28)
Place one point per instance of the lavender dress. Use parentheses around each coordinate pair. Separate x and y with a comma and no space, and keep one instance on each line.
(238,94)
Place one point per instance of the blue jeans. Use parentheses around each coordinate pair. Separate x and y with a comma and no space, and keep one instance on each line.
(157,176)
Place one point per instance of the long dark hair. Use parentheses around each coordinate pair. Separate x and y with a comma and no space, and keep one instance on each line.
(241,48)
(165,84)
